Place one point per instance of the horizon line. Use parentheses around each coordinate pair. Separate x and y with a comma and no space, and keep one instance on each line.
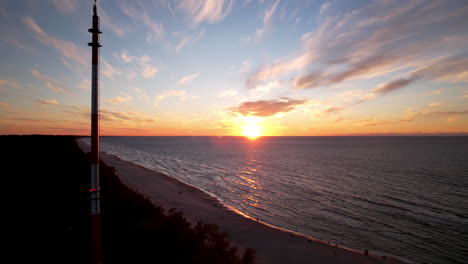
(454,134)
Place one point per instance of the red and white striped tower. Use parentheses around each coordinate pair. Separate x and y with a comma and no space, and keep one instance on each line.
(96,251)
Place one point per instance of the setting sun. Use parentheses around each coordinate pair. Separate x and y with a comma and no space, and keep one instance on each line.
(250,128)
(252,131)
(350,116)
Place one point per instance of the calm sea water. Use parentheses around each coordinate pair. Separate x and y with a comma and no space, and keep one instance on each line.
(402,196)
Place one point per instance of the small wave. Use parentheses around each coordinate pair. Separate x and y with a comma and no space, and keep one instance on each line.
(380,204)
(293,188)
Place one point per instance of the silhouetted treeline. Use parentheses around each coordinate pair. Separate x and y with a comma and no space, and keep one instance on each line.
(48,180)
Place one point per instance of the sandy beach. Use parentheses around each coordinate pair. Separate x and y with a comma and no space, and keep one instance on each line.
(272,245)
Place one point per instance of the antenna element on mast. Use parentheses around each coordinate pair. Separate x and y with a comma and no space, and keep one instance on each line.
(96,249)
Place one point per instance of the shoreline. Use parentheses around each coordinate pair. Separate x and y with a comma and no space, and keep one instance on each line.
(273,244)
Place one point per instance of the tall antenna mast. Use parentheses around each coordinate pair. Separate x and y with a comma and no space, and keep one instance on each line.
(96,250)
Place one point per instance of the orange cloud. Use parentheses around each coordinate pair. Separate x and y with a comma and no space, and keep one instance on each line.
(331,110)
(48,102)
(413,115)
(432,105)
(111,117)
(124,98)
(4,106)
(52,84)
(266,108)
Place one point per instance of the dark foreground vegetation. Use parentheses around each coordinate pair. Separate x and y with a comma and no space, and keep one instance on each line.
(48,183)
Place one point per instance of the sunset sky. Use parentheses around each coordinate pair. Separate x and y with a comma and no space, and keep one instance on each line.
(236,67)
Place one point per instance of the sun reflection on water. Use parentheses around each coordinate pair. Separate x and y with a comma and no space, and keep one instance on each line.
(250,176)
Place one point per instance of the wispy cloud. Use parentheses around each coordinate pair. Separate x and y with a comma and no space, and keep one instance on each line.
(141,94)
(210,11)
(266,108)
(66,48)
(324,7)
(149,71)
(449,68)
(127,116)
(371,122)
(452,69)
(65,6)
(394,85)
(230,92)
(267,18)
(4,106)
(432,105)
(8,110)
(109,71)
(436,92)
(170,8)
(115,27)
(27,119)
(10,39)
(124,98)
(380,38)
(50,83)
(169,93)
(146,69)
(331,111)
(356,97)
(157,29)
(124,56)
(85,84)
(47,102)
(277,69)
(111,116)
(246,2)
(187,39)
(266,87)
(440,68)
(413,115)
(187,79)
(366,68)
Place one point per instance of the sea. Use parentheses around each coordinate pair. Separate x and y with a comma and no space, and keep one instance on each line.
(399,196)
